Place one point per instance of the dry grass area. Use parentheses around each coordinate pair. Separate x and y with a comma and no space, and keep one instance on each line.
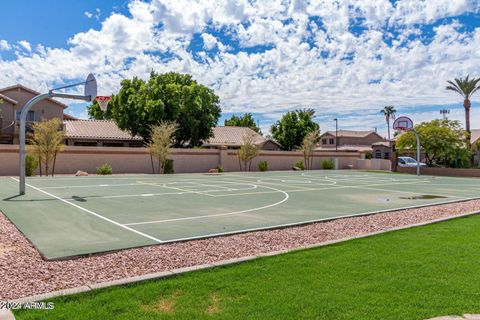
(166,304)
(24,272)
(214,306)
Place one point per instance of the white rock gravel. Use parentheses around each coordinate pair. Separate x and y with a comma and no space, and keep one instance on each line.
(24,273)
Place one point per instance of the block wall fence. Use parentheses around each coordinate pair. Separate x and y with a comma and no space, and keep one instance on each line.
(137,160)
(452,172)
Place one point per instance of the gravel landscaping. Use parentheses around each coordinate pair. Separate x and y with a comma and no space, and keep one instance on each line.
(25,273)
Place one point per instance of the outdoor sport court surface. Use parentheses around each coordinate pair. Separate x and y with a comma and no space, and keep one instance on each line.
(68,216)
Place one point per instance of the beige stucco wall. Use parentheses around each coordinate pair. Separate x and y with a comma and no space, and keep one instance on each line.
(373,164)
(137,160)
(285,160)
(453,172)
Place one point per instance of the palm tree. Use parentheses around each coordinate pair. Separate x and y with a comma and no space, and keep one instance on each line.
(465,87)
(388,112)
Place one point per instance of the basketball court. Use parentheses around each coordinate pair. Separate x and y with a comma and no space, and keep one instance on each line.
(69,216)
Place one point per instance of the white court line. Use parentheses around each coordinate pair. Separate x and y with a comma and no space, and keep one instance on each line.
(93,213)
(94,185)
(174,188)
(219,214)
(140,195)
(155,194)
(292,224)
(400,191)
(255,209)
(259,180)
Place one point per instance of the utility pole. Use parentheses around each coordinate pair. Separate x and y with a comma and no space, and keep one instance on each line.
(444,112)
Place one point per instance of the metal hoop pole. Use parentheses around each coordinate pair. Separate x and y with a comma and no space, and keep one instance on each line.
(23,119)
(418,151)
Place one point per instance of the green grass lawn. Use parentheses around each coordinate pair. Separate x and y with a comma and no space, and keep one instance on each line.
(410,274)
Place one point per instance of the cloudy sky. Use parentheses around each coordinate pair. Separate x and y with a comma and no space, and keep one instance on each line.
(345,59)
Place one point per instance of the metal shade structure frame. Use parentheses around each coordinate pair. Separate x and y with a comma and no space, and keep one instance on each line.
(90,93)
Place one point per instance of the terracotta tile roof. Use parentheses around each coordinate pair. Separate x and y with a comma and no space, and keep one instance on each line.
(475,135)
(67,116)
(351,133)
(232,136)
(96,130)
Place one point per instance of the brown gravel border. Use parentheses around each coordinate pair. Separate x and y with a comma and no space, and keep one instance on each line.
(24,273)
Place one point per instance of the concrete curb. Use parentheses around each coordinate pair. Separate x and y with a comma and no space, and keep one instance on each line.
(6,314)
(179,271)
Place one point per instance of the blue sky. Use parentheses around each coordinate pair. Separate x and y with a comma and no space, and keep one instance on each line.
(344,59)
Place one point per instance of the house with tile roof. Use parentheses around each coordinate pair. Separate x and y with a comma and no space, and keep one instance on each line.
(105,133)
(351,140)
(230,137)
(98,133)
(13,98)
(475,141)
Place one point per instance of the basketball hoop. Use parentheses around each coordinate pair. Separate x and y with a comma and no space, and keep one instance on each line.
(406,124)
(103,102)
(403,124)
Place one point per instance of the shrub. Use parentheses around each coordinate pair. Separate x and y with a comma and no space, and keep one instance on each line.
(31,164)
(299,165)
(368,155)
(168,167)
(327,164)
(220,168)
(263,166)
(104,169)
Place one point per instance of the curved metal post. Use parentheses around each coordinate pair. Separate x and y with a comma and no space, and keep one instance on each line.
(23,119)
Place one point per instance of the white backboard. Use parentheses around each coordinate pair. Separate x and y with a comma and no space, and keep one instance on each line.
(403,123)
(91,87)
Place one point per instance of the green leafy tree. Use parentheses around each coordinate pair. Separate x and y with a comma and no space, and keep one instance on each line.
(442,141)
(244,121)
(290,131)
(388,112)
(172,97)
(466,88)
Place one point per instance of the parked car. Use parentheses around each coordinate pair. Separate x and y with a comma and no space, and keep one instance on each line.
(409,162)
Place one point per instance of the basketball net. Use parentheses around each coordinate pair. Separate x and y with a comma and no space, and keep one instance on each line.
(103,102)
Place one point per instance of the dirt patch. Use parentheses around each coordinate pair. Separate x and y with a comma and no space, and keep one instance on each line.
(166,304)
(214,306)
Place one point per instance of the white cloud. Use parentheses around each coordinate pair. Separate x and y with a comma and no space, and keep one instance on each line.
(25,44)
(4,45)
(414,11)
(209,41)
(95,15)
(317,62)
